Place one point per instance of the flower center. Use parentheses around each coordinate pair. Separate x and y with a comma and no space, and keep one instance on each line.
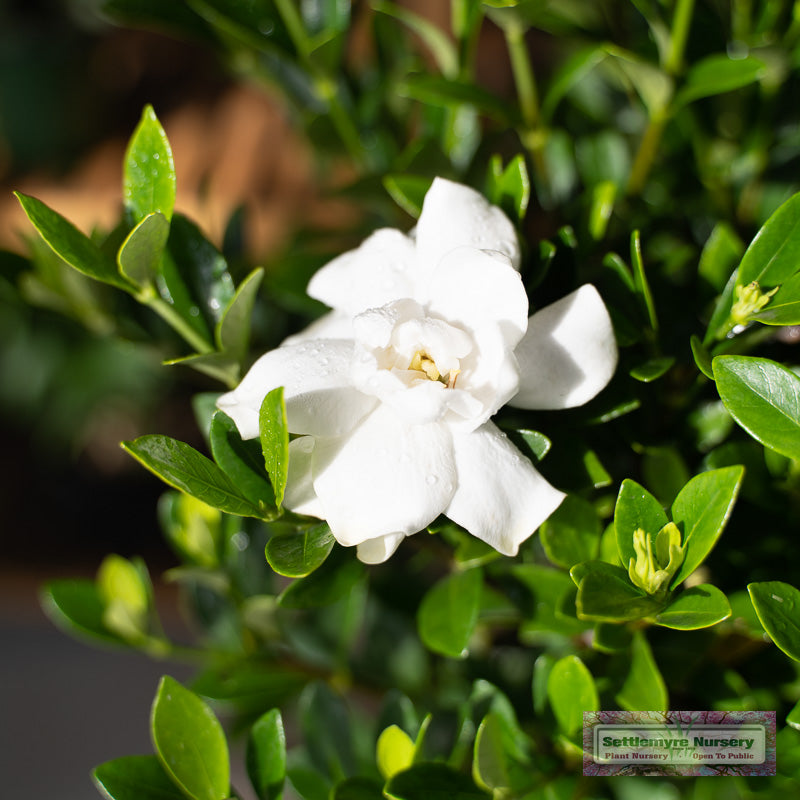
(422,362)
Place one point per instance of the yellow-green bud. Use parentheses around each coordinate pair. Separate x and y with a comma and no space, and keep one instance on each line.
(749,301)
(652,571)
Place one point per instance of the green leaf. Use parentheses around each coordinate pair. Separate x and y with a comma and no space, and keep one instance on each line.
(449,612)
(327,730)
(774,254)
(764,398)
(69,244)
(274,436)
(408,191)
(490,762)
(640,280)
(394,751)
(148,183)
(644,688)
(784,306)
(569,75)
(698,607)
(537,443)
(778,607)
(546,589)
(572,532)
(233,330)
(141,252)
(509,188)
(608,598)
(125,593)
(653,85)
(182,467)
(135,778)
(603,196)
(431,781)
(437,91)
(190,742)
(702,358)
(296,555)
(358,788)
(652,370)
(717,74)
(326,584)
(721,252)
(243,462)
(610,638)
(701,511)
(76,607)
(635,508)
(720,324)
(571,691)
(266,755)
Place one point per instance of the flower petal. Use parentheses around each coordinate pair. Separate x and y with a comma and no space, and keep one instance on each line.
(370,276)
(568,353)
(500,498)
(300,496)
(333,325)
(454,216)
(319,397)
(376,551)
(385,477)
(475,289)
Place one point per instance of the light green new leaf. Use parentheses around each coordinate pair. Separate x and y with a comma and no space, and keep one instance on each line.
(572,532)
(764,398)
(509,188)
(698,607)
(490,760)
(140,254)
(135,778)
(296,555)
(652,370)
(701,511)
(266,755)
(636,508)
(644,688)
(571,691)
(148,181)
(69,244)
(233,330)
(778,607)
(75,606)
(182,467)
(274,436)
(774,254)
(394,751)
(190,742)
(449,612)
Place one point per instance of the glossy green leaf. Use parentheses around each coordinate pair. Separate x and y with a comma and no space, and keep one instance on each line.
(778,607)
(571,691)
(75,606)
(408,191)
(572,532)
(190,742)
(490,761)
(296,555)
(140,254)
(274,436)
(717,74)
(449,612)
(69,244)
(702,358)
(644,688)
(537,443)
(698,607)
(603,597)
(701,511)
(135,778)
(243,462)
(635,508)
(182,467)
(611,638)
(266,755)
(784,306)
(431,781)
(394,751)
(652,370)
(326,584)
(148,182)
(764,398)
(774,254)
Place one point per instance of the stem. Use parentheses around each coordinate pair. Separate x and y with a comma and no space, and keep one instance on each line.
(645,155)
(525,81)
(177,323)
(681,23)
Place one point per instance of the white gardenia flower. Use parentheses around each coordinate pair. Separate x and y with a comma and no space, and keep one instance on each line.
(391,394)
